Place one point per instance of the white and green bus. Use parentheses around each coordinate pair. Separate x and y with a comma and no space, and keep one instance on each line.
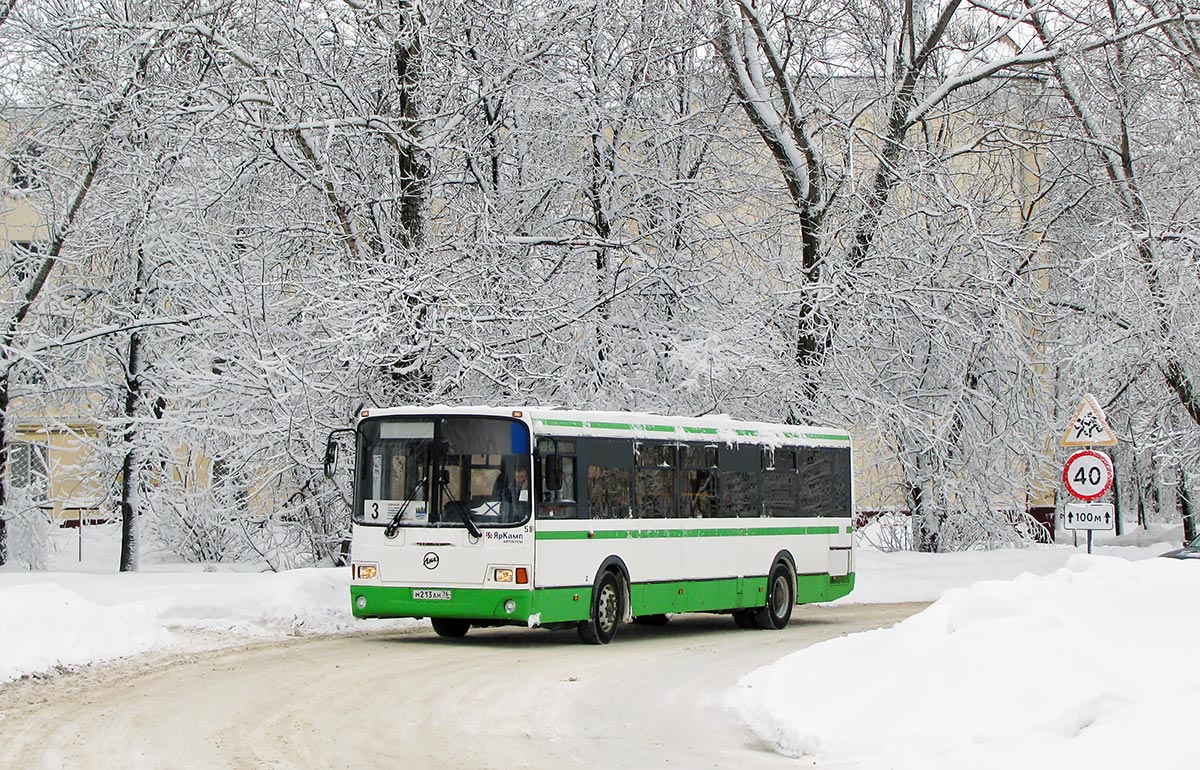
(572,519)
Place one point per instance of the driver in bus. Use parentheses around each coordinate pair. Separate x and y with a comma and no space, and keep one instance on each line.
(514,494)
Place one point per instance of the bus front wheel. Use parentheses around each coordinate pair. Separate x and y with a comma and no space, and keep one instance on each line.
(607,609)
(450,627)
(781,597)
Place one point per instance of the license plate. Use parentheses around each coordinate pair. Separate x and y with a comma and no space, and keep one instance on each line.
(422,593)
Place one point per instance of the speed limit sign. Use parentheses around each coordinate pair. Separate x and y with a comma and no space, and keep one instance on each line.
(1088,474)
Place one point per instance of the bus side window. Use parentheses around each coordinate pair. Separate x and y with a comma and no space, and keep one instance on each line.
(656,469)
(606,478)
(781,485)
(741,474)
(558,482)
(824,481)
(701,493)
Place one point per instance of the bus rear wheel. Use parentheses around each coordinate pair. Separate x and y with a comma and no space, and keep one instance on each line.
(607,609)
(450,627)
(781,597)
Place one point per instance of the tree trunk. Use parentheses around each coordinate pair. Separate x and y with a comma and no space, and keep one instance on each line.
(412,163)
(1141,505)
(129,466)
(1185,508)
(3,467)
(1116,494)
(924,522)
(4,481)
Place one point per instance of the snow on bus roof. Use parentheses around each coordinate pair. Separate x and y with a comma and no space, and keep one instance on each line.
(578,422)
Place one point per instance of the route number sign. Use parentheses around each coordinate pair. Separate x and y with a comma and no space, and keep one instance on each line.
(1089,516)
(1088,475)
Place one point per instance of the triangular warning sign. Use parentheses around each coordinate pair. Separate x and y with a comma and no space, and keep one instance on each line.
(1089,426)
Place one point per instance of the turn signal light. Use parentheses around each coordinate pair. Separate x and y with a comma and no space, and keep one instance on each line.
(522,575)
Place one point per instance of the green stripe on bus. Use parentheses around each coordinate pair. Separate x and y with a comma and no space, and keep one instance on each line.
(827,436)
(559,605)
(562,423)
(705,431)
(660,428)
(625,534)
(746,432)
(610,425)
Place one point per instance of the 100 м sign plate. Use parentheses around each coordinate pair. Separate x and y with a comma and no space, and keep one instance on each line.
(1084,516)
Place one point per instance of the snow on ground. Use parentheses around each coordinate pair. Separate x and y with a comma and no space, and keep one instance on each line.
(1087,665)
(84,611)
(1033,657)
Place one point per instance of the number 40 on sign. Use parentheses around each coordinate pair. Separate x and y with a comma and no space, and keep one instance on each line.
(1088,475)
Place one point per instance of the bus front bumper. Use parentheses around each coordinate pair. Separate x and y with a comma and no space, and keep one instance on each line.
(499,605)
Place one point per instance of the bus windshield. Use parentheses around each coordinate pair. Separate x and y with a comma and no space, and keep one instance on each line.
(442,471)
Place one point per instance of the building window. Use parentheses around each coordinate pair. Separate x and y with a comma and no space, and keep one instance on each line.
(24,256)
(23,173)
(29,469)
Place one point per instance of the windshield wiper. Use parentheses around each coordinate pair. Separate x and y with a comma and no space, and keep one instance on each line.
(394,525)
(472,527)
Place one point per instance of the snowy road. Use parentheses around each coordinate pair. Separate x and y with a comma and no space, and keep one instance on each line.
(500,698)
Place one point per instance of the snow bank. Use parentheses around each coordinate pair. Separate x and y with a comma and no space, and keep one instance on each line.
(45,626)
(302,601)
(909,576)
(48,620)
(1091,667)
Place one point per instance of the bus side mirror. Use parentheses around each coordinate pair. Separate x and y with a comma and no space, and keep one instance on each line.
(331,453)
(331,450)
(553,476)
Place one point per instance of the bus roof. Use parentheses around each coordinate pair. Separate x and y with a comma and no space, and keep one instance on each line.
(567,423)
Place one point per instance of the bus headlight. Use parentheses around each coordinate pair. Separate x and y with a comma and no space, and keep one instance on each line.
(510,606)
(503,575)
(366,571)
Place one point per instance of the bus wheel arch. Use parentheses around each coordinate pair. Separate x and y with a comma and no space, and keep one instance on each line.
(785,557)
(616,565)
(781,594)
(610,603)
